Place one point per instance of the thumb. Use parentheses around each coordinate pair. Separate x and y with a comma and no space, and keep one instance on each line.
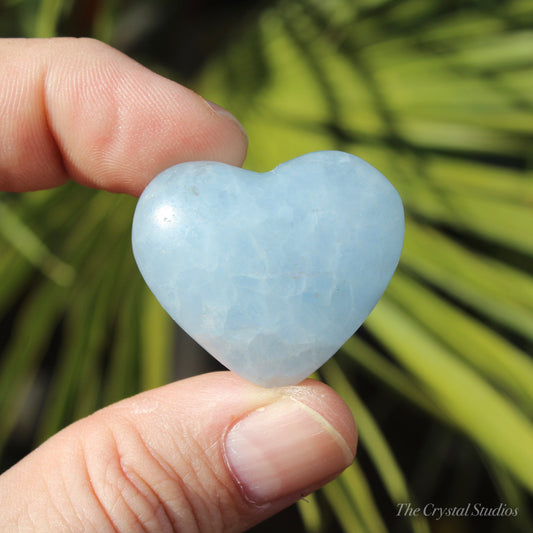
(211,453)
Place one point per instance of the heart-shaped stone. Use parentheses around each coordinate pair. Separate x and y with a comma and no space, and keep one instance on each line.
(271,273)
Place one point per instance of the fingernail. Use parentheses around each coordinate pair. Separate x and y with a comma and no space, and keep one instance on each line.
(282,449)
(219,110)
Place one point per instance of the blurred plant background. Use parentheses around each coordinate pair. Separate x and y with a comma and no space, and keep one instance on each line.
(438,95)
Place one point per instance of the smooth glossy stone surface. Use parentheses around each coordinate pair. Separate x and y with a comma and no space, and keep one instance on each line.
(271,273)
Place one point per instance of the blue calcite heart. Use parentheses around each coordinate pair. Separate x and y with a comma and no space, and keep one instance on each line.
(271,273)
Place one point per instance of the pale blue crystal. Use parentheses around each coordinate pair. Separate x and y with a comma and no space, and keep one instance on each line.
(271,273)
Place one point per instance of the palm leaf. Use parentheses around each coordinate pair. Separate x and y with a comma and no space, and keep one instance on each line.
(438,96)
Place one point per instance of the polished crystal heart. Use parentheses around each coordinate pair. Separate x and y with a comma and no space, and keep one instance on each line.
(270,272)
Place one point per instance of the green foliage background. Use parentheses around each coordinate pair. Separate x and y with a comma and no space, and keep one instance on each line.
(436,94)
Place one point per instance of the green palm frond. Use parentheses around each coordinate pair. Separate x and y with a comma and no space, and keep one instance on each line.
(439,97)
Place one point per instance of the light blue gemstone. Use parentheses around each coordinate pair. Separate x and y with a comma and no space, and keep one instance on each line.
(271,273)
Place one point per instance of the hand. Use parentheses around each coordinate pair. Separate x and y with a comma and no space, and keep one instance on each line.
(210,453)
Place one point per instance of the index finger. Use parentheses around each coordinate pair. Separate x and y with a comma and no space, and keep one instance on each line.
(79,109)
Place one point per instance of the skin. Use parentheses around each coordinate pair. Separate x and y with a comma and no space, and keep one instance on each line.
(79,110)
